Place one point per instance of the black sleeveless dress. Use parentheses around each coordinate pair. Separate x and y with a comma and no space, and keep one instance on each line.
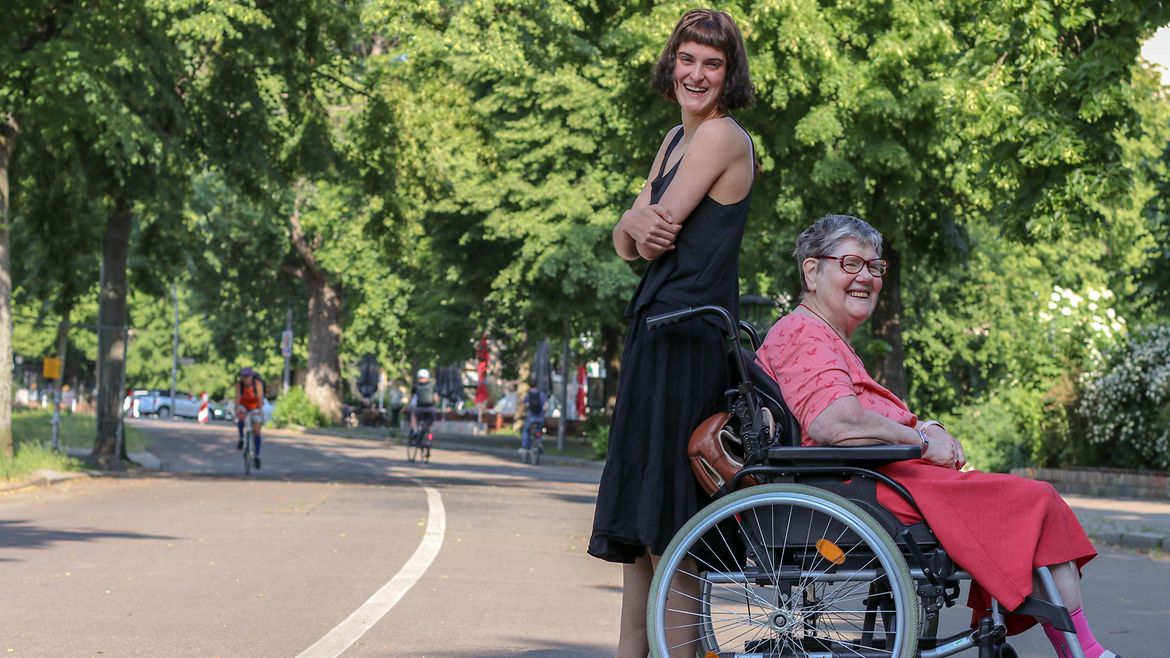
(670,380)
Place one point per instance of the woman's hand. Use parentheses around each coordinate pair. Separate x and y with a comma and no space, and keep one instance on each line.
(652,229)
(944,450)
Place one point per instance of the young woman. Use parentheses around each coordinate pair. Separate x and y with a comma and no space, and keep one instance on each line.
(688,221)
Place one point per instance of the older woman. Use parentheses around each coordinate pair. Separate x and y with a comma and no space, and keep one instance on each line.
(688,221)
(998,527)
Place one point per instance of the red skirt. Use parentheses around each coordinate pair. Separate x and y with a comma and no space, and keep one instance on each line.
(996,527)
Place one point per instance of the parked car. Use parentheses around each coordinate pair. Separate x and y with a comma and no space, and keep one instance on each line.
(184,405)
(131,402)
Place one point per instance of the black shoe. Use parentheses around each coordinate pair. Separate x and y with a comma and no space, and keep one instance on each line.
(240,444)
(256,463)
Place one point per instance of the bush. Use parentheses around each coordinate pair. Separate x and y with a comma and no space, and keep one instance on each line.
(1125,407)
(993,431)
(295,408)
(596,429)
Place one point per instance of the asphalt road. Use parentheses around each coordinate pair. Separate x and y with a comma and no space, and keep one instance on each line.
(470,555)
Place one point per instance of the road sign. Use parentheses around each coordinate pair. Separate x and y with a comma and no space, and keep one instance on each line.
(51,368)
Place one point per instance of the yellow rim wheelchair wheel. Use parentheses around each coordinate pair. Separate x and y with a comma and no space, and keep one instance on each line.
(782,570)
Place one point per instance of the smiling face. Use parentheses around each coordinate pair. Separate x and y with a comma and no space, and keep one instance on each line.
(845,300)
(699,72)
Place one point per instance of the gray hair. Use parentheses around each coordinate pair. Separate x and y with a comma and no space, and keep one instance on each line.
(826,233)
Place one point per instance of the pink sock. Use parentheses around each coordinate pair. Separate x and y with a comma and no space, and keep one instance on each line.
(1089,644)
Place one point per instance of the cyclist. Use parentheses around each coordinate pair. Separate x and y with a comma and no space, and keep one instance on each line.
(534,405)
(249,398)
(423,398)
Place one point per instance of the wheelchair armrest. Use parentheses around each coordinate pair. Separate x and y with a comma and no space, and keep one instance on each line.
(871,456)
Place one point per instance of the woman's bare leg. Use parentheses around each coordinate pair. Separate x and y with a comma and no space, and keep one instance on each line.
(682,610)
(635,591)
(1068,584)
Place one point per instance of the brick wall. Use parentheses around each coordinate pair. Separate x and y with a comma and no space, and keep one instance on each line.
(1113,483)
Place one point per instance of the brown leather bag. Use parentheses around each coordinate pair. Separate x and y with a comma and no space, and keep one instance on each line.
(712,449)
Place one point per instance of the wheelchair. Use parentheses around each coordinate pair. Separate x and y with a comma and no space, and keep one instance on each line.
(795,557)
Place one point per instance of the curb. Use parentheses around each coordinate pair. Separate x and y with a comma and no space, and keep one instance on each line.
(47,478)
(43,478)
(1142,541)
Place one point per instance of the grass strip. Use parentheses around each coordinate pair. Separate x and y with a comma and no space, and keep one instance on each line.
(32,432)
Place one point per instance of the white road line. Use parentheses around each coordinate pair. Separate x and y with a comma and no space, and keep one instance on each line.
(363,619)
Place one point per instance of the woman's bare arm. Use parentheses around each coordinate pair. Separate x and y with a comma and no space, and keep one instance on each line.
(846,423)
(718,163)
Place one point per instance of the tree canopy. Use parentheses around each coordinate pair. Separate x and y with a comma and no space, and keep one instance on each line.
(403,178)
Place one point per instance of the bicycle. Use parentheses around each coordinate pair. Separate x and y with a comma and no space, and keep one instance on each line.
(249,440)
(531,455)
(418,445)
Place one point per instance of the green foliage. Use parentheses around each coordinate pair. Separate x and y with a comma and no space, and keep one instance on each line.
(989,433)
(596,431)
(455,168)
(1125,406)
(296,409)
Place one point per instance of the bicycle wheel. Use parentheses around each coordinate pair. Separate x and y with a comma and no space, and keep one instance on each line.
(537,448)
(248,448)
(412,446)
(783,570)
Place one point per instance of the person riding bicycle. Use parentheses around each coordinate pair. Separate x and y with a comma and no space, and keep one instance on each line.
(249,398)
(534,407)
(423,398)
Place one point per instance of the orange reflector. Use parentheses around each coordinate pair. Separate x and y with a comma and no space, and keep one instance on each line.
(830,551)
(710,654)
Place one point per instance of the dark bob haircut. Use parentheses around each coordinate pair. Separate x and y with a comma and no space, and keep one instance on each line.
(714,29)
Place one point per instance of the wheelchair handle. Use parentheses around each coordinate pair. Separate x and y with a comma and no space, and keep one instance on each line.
(730,330)
(674,317)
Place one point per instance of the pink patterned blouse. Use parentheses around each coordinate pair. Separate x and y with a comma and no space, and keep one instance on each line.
(798,346)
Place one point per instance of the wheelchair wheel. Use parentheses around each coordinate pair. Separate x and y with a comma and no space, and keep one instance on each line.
(783,570)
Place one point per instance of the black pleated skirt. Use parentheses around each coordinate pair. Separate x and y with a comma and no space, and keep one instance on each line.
(671,379)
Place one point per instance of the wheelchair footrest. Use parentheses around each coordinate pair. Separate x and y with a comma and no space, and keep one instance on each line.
(1056,615)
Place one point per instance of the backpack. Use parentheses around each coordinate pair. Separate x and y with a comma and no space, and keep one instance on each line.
(256,378)
(535,402)
(425,393)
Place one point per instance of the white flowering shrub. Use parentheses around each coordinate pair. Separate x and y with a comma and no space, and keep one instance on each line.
(1084,324)
(1125,407)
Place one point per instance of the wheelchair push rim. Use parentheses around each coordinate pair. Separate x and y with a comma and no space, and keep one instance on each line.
(840,588)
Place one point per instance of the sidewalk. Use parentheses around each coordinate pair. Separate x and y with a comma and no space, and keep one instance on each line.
(1140,524)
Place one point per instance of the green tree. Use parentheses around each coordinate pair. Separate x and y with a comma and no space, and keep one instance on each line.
(314,151)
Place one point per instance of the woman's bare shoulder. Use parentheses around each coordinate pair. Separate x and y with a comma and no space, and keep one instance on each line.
(725,131)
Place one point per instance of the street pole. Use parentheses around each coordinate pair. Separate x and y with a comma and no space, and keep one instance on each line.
(564,391)
(62,345)
(286,348)
(174,349)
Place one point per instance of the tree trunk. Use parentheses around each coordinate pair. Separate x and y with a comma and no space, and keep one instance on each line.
(890,368)
(8,130)
(111,365)
(323,375)
(324,362)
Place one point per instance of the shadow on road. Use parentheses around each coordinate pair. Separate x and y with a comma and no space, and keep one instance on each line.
(549,650)
(20,534)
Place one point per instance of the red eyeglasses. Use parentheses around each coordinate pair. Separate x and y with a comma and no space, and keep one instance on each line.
(852,264)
